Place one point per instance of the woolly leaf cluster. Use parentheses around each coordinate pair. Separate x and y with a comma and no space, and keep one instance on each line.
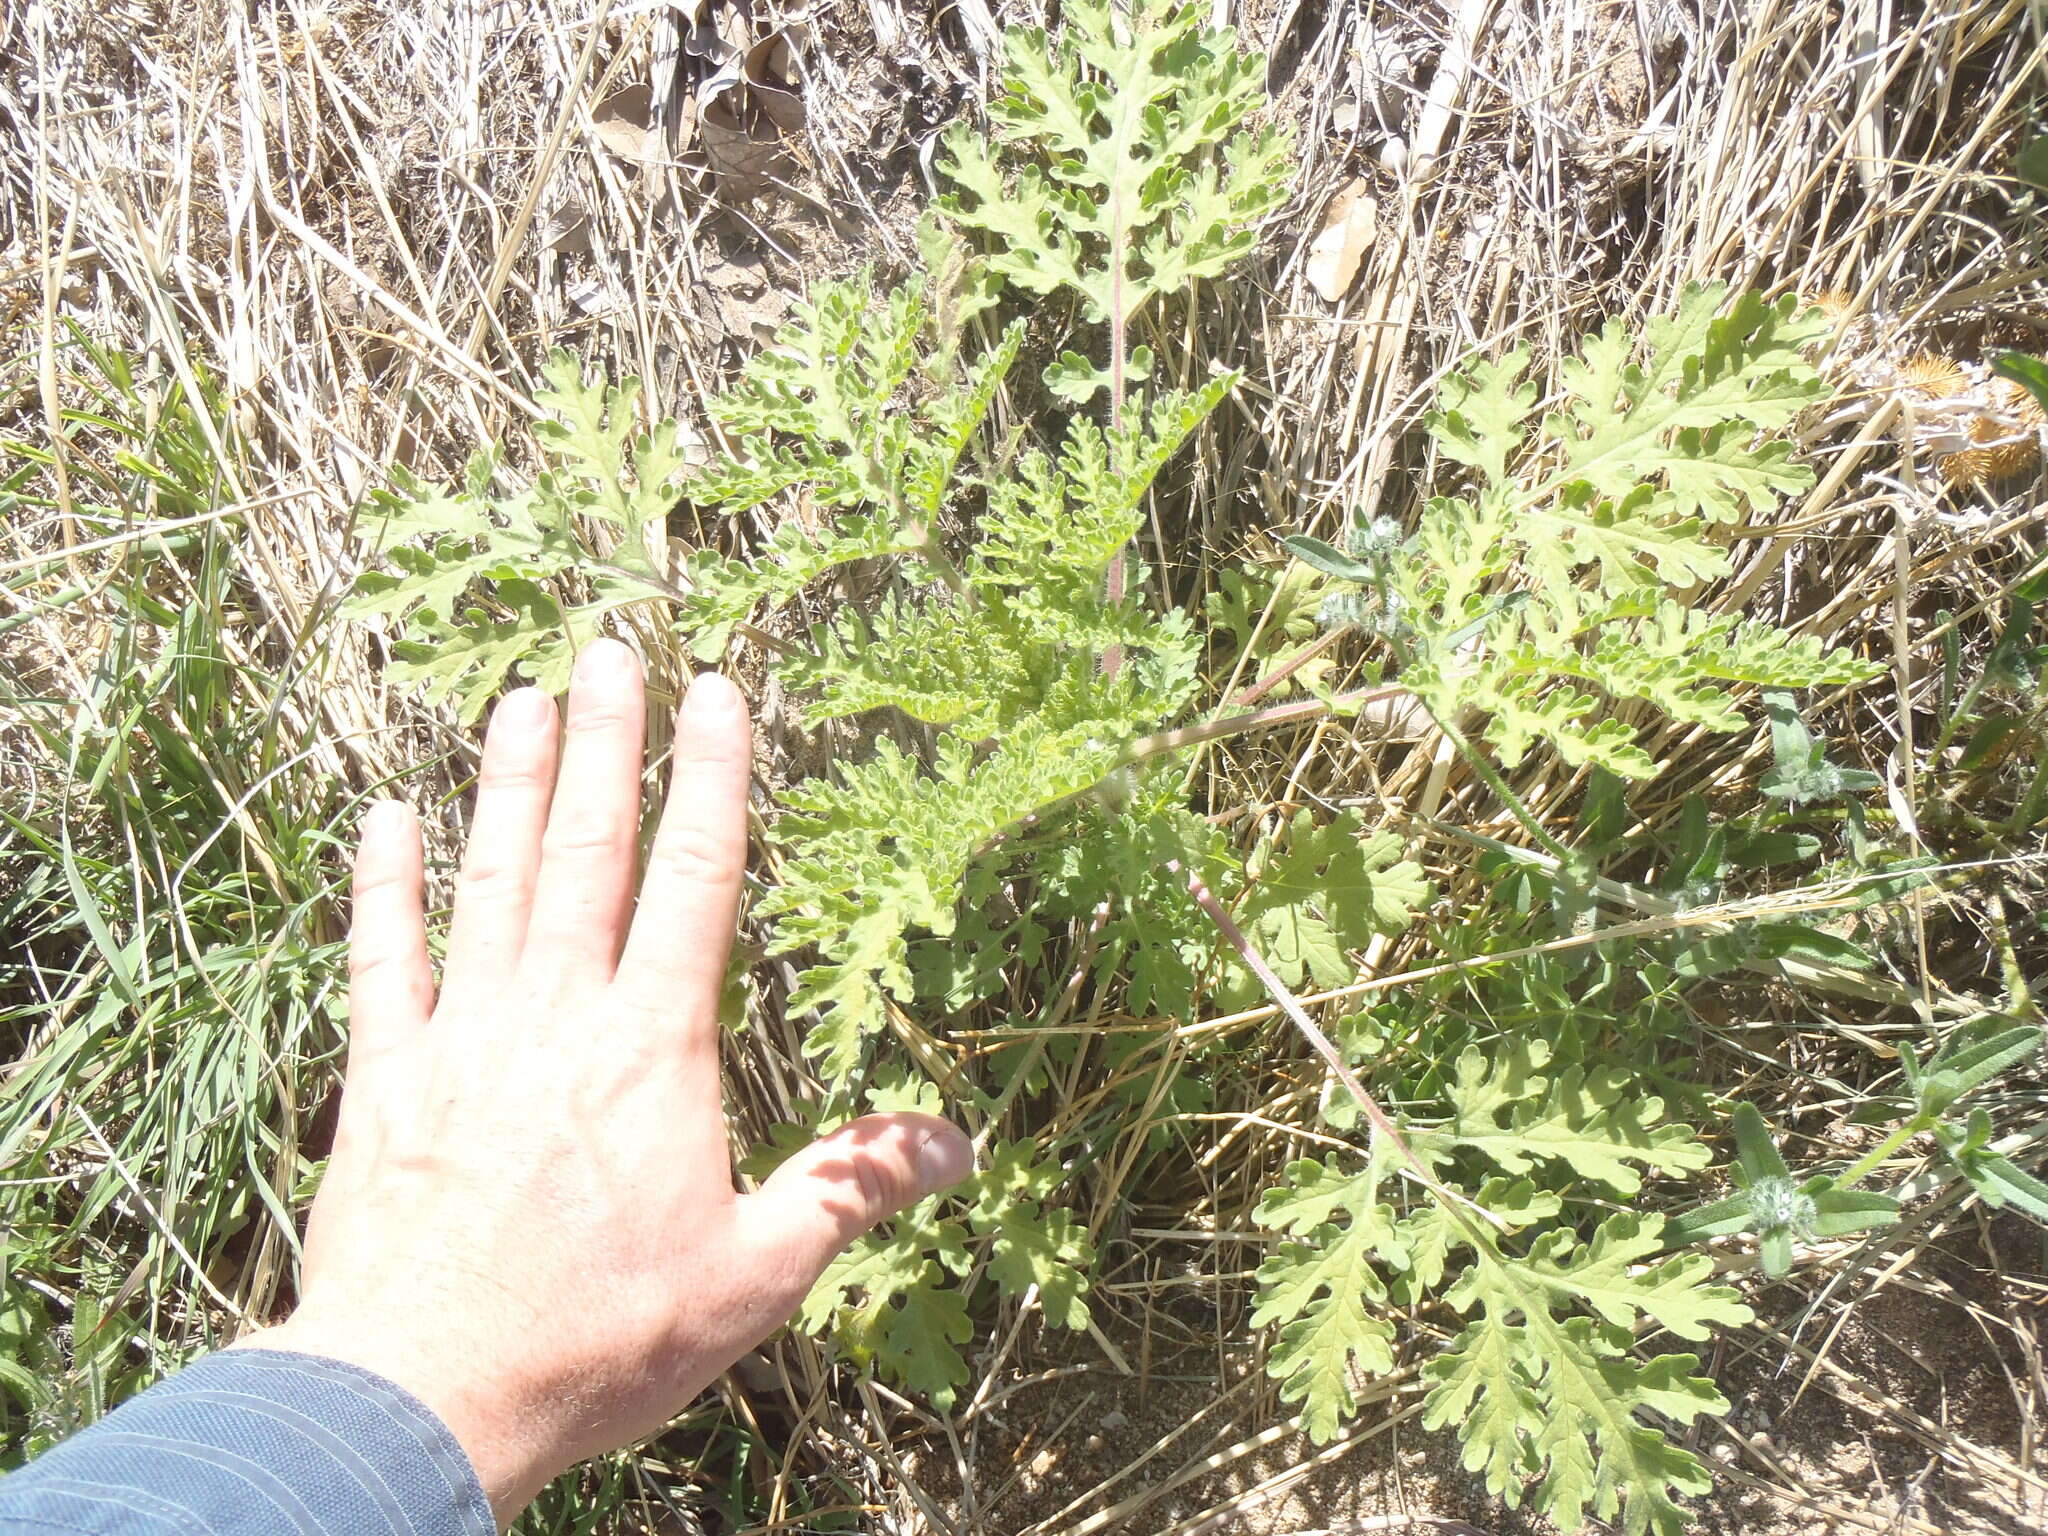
(887,1299)
(1001,648)
(950,581)
(488,584)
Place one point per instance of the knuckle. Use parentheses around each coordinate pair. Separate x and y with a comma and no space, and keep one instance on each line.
(525,773)
(488,879)
(581,838)
(605,716)
(380,878)
(694,853)
(881,1184)
(715,752)
(366,963)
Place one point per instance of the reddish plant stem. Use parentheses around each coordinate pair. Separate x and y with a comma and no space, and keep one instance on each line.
(1194,735)
(1256,720)
(1382,1123)
(1293,664)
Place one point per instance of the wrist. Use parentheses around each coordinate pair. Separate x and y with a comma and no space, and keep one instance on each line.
(485,1421)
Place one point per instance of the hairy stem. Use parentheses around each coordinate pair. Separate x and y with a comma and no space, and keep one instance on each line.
(1113,657)
(1869,1163)
(1193,735)
(1492,779)
(1382,1124)
(663,587)
(934,555)
(1286,669)
(1256,720)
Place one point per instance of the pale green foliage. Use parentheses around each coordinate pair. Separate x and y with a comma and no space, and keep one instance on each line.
(1118,166)
(1541,1382)
(1285,600)
(1321,892)
(1001,649)
(1594,1122)
(1534,1387)
(497,583)
(886,1298)
(1591,515)
(963,578)
(868,414)
(1326,1294)
(858,409)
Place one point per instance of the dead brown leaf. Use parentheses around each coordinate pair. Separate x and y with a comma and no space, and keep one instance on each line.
(623,123)
(772,75)
(1338,250)
(743,146)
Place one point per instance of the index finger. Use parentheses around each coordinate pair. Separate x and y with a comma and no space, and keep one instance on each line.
(690,901)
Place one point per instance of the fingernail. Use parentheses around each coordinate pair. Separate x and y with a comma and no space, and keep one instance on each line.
(711,696)
(382,818)
(522,709)
(604,661)
(945,1159)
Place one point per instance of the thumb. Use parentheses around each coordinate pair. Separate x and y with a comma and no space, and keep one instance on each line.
(832,1191)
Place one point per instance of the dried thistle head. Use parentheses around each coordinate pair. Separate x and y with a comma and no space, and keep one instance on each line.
(2005,437)
(1837,304)
(1932,377)
(1975,426)
(1851,333)
(1972,425)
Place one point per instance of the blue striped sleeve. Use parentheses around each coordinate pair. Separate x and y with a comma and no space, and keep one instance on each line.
(255,1441)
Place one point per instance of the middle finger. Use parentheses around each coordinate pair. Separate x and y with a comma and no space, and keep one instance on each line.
(581,903)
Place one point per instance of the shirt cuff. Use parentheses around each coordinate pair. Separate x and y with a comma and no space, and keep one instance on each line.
(251,1441)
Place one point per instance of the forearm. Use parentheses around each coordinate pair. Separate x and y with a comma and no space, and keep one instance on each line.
(255,1441)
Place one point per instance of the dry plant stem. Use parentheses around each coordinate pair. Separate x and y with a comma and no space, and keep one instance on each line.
(1258,720)
(522,219)
(1055,1017)
(1293,664)
(1382,1123)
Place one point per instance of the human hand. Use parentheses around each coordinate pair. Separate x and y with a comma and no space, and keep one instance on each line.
(529,1219)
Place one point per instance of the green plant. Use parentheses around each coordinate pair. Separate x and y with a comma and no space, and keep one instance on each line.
(1591,515)
(1114,171)
(1801,773)
(1995,720)
(985,601)
(459,649)
(1780,1208)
